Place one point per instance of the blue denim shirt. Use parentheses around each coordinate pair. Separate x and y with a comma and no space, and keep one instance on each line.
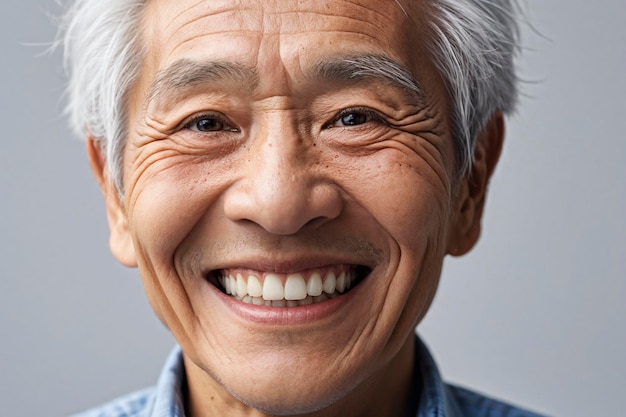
(438,399)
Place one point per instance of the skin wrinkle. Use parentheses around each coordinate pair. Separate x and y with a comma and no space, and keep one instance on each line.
(167,154)
(434,152)
(201,16)
(285,13)
(148,161)
(181,44)
(164,310)
(179,268)
(174,122)
(380,27)
(413,287)
(300,14)
(294,186)
(335,70)
(435,160)
(379,183)
(197,20)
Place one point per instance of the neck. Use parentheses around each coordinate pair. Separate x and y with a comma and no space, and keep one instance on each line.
(388,392)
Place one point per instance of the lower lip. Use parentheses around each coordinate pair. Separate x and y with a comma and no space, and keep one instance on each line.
(284,316)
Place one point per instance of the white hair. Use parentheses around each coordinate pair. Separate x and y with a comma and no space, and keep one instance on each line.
(472,42)
(103,55)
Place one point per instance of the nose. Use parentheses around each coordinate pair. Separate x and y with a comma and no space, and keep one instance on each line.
(282,189)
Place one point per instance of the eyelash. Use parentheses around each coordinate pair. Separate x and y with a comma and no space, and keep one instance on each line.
(371,115)
(193,120)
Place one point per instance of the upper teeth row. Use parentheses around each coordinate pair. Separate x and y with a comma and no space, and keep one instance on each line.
(294,288)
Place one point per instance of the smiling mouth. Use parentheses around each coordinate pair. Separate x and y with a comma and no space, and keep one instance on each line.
(288,290)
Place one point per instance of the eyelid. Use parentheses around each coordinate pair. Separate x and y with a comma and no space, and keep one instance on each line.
(372,114)
(191,120)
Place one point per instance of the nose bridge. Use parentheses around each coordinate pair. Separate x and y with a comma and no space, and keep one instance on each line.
(283,190)
(281,165)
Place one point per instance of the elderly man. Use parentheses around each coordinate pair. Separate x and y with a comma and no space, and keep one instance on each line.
(288,177)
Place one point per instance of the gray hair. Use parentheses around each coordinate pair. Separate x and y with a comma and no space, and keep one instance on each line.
(473,44)
(103,55)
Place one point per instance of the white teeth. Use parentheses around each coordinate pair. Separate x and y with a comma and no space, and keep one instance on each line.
(233,285)
(242,286)
(227,286)
(330,283)
(273,288)
(296,291)
(341,282)
(314,286)
(295,287)
(254,286)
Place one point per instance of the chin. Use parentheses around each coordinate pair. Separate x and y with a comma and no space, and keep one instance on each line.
(284,393)
(290,402)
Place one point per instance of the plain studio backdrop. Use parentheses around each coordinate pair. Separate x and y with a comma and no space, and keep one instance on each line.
(536,314)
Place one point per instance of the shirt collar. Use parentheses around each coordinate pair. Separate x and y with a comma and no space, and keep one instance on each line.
(169,391)
(436,400)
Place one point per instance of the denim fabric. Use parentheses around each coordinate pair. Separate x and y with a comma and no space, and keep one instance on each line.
(438,399)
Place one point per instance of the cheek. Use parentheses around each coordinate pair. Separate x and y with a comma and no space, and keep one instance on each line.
(160,215)
(165,203)
(165,198)
(403,194)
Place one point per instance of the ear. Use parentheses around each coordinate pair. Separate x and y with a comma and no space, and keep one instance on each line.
(120,239)
(472,189)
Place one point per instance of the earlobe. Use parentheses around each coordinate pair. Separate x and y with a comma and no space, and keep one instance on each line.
(120,239)
(472,191)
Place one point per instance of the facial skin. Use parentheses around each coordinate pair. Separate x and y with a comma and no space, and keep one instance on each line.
(243,157)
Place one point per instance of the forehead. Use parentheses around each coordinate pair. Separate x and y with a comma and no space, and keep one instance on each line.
(258,33)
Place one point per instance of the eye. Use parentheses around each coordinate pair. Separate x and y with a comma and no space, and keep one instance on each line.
(209,122)
(355,117)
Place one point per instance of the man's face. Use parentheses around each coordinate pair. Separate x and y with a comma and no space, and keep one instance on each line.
(256,165)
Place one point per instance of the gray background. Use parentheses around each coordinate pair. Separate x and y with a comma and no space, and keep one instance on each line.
(535,314)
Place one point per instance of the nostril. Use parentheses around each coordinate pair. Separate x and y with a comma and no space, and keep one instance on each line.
(283,207)
(316,222)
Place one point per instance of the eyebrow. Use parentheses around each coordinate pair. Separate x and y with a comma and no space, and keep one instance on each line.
(367,68)
(185,74)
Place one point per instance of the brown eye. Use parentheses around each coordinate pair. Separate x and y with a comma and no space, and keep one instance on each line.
(355,117)
(209,123)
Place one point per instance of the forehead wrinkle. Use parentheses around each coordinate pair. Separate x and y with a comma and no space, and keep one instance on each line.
(358,69)
(223,14)
(379,22)
(207,9)
(182,13)
(184,74)
(330,20)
